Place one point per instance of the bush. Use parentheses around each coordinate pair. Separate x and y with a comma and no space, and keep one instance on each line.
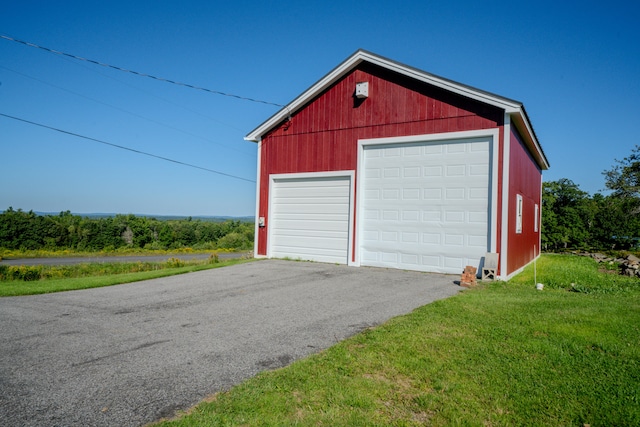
(155,246)
(175,263)
(20,272)
(234,241)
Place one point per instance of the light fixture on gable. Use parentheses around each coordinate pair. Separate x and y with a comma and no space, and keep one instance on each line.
(362,90)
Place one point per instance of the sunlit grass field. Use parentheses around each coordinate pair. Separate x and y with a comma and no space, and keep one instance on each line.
(41,279)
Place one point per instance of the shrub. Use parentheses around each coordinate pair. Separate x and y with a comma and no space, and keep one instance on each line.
(20,272)
(154,246)
(234,241)
(175,263)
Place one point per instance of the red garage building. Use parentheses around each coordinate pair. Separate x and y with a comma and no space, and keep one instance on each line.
(381,164)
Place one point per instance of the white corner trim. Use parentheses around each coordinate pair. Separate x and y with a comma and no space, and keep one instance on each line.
(506,150)
(495,174)
(539,250)
(311,175)
(258,187)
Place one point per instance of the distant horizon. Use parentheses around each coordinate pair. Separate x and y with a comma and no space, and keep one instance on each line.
(113,214)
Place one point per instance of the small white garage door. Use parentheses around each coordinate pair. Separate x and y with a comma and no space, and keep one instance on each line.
(310,219)
(426,205)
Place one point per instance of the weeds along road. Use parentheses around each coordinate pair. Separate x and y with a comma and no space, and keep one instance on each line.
(122,258)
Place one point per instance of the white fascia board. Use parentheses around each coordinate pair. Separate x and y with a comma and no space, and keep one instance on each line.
(449,85)
(360,56)
(333,76)
(504,241)
(520,119)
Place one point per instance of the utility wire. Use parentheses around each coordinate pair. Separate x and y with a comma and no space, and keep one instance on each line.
(102,64)
(126,148)
(146,92)
(122,110)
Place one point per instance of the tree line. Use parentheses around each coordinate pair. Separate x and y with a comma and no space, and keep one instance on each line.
(20,230)
(573,219)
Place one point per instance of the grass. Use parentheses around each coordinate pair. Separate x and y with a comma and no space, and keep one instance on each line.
(56,253)
(95,275)
(499,354)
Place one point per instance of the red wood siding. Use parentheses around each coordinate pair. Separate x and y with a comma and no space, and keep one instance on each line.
(323,135)
(525,179)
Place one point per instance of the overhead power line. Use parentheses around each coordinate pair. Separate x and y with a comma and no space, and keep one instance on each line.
(122,109)
(102,64)
(126,148)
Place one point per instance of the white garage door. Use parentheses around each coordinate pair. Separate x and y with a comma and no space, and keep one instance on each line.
(426,205)
(310,219)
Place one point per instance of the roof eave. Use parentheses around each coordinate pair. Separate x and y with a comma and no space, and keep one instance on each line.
(522,123)
(289,109)
(356,59)
(514,108)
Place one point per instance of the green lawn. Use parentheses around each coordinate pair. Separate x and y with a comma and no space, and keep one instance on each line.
(499,354)
(95,275)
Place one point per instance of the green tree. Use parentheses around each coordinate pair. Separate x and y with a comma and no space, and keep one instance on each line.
(624,177)
(18,231)
(613,227)
(26,230)
(567,217)
(623,210)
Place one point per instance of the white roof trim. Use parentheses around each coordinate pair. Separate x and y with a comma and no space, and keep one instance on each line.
(510,106)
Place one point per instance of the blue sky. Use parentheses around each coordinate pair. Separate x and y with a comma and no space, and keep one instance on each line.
(576,69)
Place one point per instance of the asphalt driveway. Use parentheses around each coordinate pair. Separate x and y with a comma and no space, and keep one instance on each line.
(130,354)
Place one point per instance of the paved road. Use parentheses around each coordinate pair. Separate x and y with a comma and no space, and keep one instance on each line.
(123,258)
(127,355)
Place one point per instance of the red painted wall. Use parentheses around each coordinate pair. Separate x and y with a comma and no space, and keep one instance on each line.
(525,178)
(323,136)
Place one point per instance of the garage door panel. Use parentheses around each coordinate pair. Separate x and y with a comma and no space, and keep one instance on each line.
(309,224)
(310,219)
(434,240)
(312,242)
(426,205)
(312,209)
(308,228)
(319,182)
(478,241)
(431,262)
(479,170)
(319,254)
(315,201)
(455,148)
(303,197)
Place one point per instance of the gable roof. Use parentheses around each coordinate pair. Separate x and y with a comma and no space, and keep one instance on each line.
(514,109)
